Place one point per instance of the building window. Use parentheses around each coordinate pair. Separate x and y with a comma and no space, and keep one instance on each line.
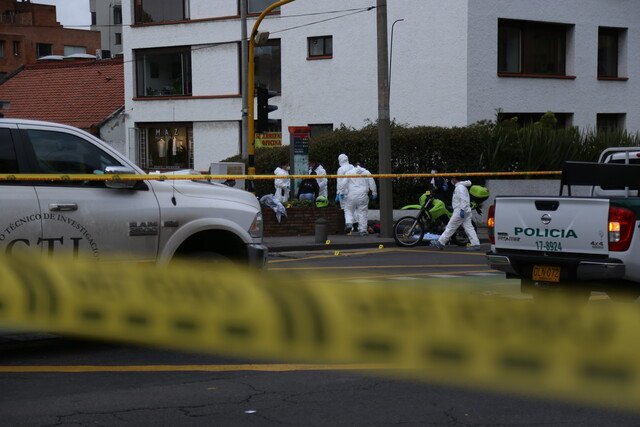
(609,51)
(320,47)
(564,120)
(1,48)
(163,72)
(117,15)
(74,50)
(267,60)
(43,49)
(535,48)
(258,6)
(166,146)
(160,10)
(319,129)
(16,48)
(610,122)
(118,39)
(94,19)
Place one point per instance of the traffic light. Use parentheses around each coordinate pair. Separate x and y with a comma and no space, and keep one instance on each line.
(264,109)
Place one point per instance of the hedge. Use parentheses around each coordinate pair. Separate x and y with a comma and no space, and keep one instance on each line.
(485,146)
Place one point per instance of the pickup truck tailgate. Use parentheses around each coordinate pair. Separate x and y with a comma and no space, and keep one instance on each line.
(548,224)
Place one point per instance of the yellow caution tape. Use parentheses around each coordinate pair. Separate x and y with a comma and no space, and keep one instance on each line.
(580,352)
(161,177)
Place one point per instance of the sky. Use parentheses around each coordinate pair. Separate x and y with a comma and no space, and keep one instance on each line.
(70,12)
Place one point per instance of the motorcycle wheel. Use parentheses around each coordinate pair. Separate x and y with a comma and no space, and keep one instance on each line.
(460,238)
(401,231)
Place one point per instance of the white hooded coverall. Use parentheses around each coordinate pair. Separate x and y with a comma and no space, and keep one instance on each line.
(345,167)
(358,196)
(459,203)
(322,182)
(282,185)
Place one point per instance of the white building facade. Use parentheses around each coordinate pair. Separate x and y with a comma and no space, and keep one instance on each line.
(106,17)
(455,62)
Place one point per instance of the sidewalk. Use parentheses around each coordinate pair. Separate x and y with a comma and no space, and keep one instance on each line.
(340,241)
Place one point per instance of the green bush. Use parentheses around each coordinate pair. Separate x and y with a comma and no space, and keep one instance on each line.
(485,146)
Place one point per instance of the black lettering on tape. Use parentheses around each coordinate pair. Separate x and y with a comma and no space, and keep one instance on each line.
(376,346)
(137,320)
(603,373)
(186,325)
(91,315)
(446,353)
(238,331)
(522,364)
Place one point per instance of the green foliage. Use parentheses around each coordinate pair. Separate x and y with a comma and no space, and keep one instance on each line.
(484,146)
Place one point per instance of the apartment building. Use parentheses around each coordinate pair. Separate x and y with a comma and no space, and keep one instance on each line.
(29,31)
(106,17)
(454,62)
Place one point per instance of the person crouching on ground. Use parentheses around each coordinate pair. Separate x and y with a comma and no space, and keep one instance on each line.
(461,216)
(358,196)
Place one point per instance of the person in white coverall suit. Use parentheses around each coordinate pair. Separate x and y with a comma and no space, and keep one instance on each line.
(283,185)
(322,182)
(358,196)
(341,192)
(461,216)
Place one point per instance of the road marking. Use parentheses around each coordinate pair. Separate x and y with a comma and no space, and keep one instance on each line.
(189,368)
(369,252)
(404,278)
(371,267)
(452,273)
(445,276)
(360,281)
(485,274)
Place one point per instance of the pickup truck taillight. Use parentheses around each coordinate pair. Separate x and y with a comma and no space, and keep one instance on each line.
(491,223)
(621,224)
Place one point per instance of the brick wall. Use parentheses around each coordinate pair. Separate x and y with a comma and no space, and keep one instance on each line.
(301,221)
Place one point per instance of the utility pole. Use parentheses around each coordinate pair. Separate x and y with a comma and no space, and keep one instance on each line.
(244,64)
(384,123)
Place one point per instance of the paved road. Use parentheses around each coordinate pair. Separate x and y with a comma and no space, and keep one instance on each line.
(61,381)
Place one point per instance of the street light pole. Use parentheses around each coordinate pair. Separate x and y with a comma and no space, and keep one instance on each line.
(384,123)
(393,27)
(244,65)
(251,78)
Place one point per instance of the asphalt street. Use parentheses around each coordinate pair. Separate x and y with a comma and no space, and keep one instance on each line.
(64,381)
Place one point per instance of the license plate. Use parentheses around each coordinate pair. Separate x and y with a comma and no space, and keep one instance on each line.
(546,273)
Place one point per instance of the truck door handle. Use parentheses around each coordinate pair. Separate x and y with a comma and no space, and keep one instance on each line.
(59,207)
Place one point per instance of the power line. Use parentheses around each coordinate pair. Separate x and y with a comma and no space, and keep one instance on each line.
(270,17)
(324,20)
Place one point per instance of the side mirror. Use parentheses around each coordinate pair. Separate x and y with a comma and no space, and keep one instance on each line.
(117,184)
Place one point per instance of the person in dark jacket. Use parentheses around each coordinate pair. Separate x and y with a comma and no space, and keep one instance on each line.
(309,189)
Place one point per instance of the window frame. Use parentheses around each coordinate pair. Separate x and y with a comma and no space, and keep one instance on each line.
(141,84)
(16,48)
(527,63)
(256,13)
(2,49)
(620,51)
(43,44)
(117,16)
(138,9)
(117,39)
(325,54)
(620,119)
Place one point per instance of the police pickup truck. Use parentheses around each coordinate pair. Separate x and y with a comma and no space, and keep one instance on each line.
(583,243)
(135,221)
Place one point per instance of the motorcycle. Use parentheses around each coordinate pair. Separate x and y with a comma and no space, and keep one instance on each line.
(433,217)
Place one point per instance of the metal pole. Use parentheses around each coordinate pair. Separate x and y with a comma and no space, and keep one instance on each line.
(244,55)
(393,27)
(384,123)
(251,167)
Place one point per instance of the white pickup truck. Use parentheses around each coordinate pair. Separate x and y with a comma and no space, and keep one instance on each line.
(584,243)
(134,221)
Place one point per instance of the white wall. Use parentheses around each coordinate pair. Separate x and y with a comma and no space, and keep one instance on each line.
(444,65)
(586,95)
(217,141)
(113,132)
